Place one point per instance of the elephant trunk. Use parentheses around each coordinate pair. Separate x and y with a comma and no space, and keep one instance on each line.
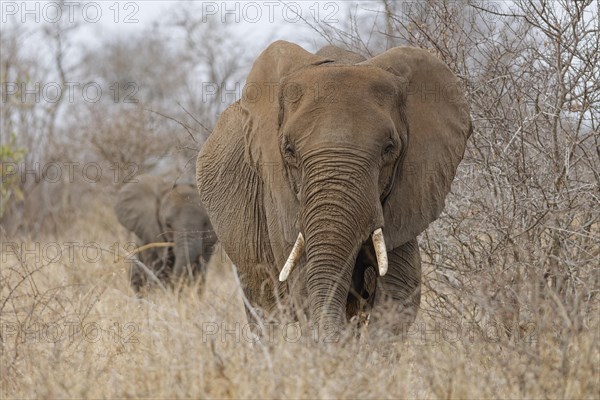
(341,209)
(188,252)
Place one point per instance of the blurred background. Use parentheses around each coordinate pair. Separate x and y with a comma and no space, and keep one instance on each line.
(95,93)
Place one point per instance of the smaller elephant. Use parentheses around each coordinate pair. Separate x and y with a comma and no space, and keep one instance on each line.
(158,211)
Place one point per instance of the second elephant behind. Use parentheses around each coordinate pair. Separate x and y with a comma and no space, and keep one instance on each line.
(158,211)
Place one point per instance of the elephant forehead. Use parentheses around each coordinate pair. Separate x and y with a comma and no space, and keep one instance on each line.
(340,104)
(342,85)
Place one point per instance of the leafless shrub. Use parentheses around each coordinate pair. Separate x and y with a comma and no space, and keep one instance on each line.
(139,116)
(511,267)
(521,231)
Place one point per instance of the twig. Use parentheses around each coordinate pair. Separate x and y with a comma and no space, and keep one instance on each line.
(194,118)
(255,315)
(187,128)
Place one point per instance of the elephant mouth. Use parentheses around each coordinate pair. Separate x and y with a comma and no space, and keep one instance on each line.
(298,249)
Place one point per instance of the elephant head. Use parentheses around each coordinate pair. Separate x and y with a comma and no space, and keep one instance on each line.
(325,158)
(158,211)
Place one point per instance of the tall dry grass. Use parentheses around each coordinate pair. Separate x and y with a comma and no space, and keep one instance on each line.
(74,329)
(511,271)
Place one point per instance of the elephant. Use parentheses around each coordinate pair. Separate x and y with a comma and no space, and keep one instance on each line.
(325,172)
(158,211)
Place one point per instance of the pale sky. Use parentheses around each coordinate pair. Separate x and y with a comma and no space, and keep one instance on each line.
(257,22)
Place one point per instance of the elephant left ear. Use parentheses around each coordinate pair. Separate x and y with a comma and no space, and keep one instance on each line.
(439,125)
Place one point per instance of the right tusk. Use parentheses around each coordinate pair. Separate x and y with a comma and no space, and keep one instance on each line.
(380,251)
(293,259)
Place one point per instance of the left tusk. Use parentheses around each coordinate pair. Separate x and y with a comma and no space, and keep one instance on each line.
(292,260)
(380,251)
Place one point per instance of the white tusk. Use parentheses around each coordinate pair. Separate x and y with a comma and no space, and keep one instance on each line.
(292,260)
(380,251)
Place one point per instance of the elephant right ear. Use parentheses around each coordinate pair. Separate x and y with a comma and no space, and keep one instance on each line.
(231,191)
(138,204)
(261,102)
(239,170)
(261,98)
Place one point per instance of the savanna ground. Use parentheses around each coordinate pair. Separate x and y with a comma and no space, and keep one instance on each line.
(511,272)
(74,329)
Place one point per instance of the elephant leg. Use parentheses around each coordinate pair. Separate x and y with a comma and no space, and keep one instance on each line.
(158,263)
(398,293)
(137,277)
(263,297)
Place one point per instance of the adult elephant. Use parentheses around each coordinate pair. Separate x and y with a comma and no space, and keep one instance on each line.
(329,166)
(158,211)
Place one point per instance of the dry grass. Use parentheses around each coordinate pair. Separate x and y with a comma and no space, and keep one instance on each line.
(163,346)
(514,260)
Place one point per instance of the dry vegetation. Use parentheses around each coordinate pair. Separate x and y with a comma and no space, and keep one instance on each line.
(175,345)
(511,268)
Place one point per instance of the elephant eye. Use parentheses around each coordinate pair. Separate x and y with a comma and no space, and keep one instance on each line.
(289,151)
(389,149)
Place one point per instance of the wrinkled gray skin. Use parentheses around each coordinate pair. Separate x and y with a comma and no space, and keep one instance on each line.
(157,211)
(334,146)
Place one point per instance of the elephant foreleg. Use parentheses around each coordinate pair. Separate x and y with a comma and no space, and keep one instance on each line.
(263,294)
(398,293)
